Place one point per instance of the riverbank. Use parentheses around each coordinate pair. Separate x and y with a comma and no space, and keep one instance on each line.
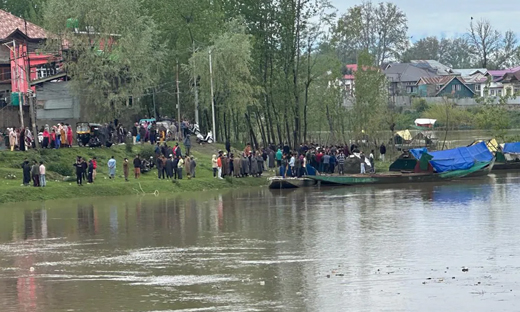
(59,167)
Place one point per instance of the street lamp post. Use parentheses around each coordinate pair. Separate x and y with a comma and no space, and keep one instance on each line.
(212,100)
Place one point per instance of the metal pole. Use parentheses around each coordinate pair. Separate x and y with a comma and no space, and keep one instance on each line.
(178,103)
(17,77)
(212,101)
(30,95)
(195,89)
(154,110)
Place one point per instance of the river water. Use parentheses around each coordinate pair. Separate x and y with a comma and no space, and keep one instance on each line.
(331,249)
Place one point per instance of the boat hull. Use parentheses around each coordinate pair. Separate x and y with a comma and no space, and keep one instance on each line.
(480,169)
(290,183)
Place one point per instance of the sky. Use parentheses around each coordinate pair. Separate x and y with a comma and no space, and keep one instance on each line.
(449,18)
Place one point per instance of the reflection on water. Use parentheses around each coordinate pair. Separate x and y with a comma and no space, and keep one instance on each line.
(331,249)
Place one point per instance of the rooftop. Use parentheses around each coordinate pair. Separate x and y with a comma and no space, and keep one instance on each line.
(10,23)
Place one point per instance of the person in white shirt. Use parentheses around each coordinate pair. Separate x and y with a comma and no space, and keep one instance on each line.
(43,182)
(291,164)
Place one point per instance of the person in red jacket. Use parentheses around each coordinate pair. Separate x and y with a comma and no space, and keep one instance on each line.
(94,163)
(219,166)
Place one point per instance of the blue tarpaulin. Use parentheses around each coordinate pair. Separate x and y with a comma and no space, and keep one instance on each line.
(512,148)
(459,158)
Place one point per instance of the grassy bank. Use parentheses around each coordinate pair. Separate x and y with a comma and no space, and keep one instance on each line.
(59,166)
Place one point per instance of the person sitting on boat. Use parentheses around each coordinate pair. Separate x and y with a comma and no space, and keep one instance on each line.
(362,157)
(372,165)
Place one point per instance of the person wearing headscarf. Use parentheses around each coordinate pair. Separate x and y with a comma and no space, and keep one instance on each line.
(254,165)
(260,163)
(214,165)
(187,166)
(237,165)
(244,166)
(12,139)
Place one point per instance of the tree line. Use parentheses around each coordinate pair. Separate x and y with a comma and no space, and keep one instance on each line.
(277,65)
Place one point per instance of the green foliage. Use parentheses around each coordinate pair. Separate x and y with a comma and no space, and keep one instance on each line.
(129,145)
(147,151)
(449,115)
(62,168)
(371,98)
(114,56)
(420,105)
(379,29)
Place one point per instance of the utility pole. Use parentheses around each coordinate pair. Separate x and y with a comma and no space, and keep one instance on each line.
(30,95)
(17,78)
(195,88)
(212,100)
(154,110)
(178,102)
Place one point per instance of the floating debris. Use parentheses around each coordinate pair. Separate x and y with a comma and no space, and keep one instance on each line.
(465,269)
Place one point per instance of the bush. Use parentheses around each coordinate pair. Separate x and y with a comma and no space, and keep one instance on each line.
(129,145)
(63,169)
(147,151)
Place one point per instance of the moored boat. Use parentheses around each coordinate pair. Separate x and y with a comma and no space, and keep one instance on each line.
(472,161)
(290,183)
(478,169)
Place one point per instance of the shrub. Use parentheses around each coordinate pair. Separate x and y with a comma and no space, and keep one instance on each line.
(62,168)
(129,145)
(147,151)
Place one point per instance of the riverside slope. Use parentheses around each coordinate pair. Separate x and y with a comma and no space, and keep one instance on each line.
(59,165)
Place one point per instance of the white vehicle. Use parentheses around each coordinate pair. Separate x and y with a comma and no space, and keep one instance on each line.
(201,138)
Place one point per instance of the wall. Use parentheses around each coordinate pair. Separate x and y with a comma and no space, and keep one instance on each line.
(55,103)
(10,116)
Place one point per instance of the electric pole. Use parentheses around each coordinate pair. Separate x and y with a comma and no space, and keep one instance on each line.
(212,101)
(195,89)
(178,102)
(17,78)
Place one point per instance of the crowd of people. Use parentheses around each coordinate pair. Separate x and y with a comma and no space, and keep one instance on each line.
(292,163)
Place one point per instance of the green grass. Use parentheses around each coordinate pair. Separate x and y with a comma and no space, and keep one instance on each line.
(59,165)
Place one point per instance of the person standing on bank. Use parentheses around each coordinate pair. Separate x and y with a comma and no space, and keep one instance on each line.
(111,168)
(180,165)
(26,166)
(137,167)
(90,172)
(35,172)
(43,182)
(187,144)
(382,151)
(214,165)
(125,169)
(193,165)
(79,171)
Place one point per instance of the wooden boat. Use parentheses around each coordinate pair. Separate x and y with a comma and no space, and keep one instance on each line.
(290,183)
(479,169)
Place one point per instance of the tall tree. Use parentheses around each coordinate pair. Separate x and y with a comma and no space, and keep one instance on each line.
(490,48)
(114,52)
(455,53)
(371,96)
(32,10)
(234,89)
(424,49)
(379,29)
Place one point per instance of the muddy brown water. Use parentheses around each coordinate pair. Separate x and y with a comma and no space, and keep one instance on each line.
(332,249)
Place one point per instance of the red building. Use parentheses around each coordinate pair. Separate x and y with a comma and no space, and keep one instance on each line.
(20,53)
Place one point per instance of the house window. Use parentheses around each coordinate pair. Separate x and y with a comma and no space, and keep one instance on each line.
(410,89)
(477,87)
(47,70)
(5,73)
(493,92)
(453,88)
(458,87)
